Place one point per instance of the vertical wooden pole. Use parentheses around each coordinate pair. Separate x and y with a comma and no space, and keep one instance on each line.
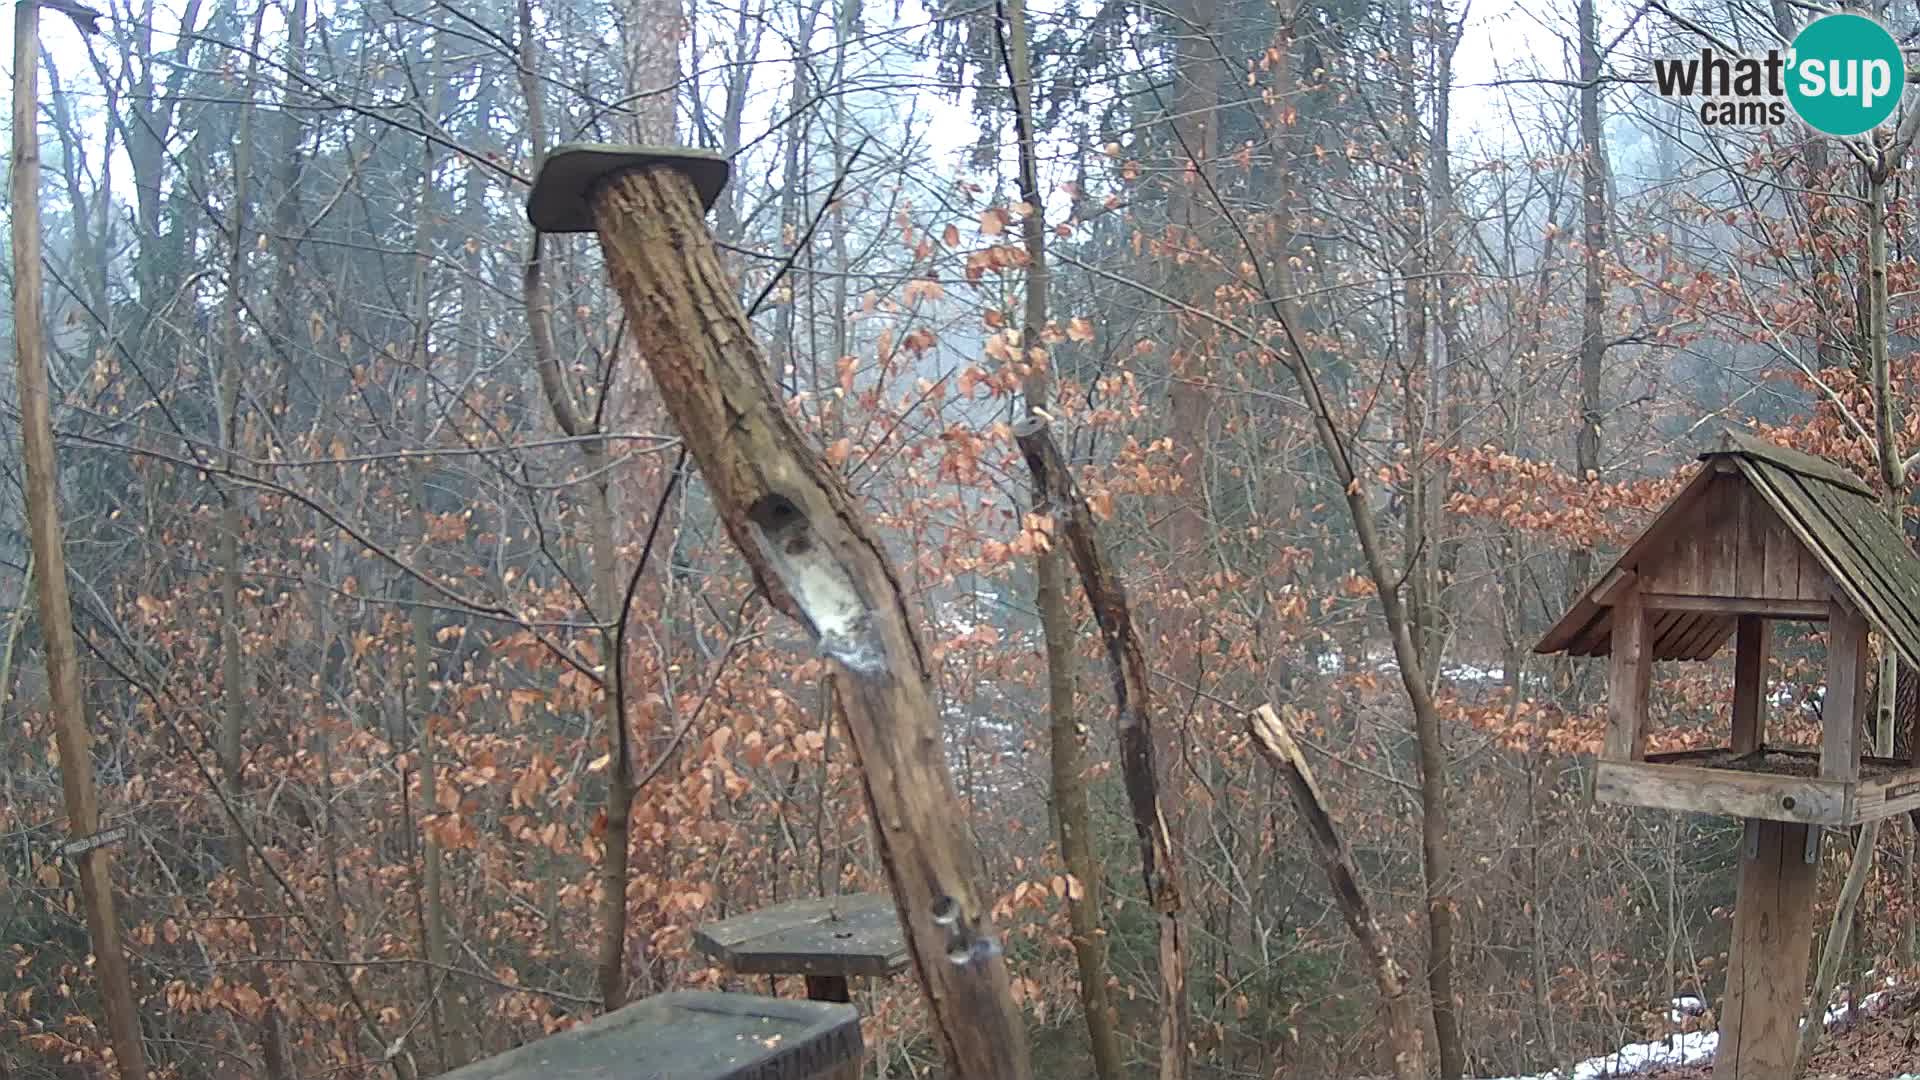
(1629,679)
(1840,710)
(1752,641)
(49,554)
(1767,968)
(835,988)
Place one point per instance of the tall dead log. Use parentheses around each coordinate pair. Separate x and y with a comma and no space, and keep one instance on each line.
(812,553)
(1126,659)
(1271,738)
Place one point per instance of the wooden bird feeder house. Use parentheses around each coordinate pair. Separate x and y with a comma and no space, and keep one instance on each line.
(1760,533)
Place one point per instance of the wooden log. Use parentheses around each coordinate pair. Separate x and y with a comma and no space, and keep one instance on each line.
(1055,489)
(818,562)
(1404,1033)
(1767,968)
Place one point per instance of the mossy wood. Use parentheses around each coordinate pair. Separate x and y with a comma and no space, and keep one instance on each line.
(693,1035)
(1759,533)
(817,561)
(848,936)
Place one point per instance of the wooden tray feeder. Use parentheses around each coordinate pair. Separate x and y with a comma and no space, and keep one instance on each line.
(828,941)
(1759,533)
(692,1035)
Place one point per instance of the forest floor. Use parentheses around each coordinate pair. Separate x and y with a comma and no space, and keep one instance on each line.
(1882,1042)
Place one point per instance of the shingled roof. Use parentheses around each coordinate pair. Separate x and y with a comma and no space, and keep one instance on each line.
(1832,513)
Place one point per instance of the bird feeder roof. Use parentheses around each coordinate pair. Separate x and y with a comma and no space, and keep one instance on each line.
(1764,530)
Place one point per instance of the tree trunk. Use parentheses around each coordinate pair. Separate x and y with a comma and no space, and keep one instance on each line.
(1068,752)
(95,867)
(1593,217)
(1126,660)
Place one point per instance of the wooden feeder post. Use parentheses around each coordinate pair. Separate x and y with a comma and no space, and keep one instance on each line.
(811,552)
(1760,533)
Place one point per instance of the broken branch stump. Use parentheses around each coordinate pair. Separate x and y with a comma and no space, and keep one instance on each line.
(1276,744)
(1054,489)
(812,553)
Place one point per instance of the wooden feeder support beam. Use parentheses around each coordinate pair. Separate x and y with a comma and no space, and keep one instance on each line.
(1751,643)
(1629,678)
(1840,710)
(817,560)
(1767,965)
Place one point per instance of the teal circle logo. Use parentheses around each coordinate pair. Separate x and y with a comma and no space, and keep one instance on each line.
(1846,74)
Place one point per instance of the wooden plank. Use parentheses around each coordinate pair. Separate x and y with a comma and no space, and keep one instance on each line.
(1840,709)
(1594,638)
(1783,554)
(691,1035)
(1815,531)
(1752,642)
(1790,459)
(1629,679)
(1721,792)
(1750,554)
(1666,643)
(1722,631)
(1719,541)
(1767,965)
(1707,630)
(1885,797)
(1671,522)
(1611,585)
(1799,610)
(857,935)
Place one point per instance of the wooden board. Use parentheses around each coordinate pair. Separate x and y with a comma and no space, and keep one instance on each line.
(1736,547)
(1886,796)
(857,934)
(1723,792)
(1726,782)
(693,1035)
(1842,705)
(1767,965)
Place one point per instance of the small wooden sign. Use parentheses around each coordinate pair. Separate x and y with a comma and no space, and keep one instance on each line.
(73,849)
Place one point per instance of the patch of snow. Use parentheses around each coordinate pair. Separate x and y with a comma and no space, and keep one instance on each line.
(1688,1048)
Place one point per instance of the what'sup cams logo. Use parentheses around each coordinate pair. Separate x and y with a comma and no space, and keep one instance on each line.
(1843,75)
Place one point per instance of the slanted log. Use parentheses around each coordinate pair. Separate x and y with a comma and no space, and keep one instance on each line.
(1276,744)
(1056,491)
(818,562)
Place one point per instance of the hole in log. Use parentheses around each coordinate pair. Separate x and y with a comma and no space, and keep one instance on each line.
(946,911)
(828,600)
(1786,802)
